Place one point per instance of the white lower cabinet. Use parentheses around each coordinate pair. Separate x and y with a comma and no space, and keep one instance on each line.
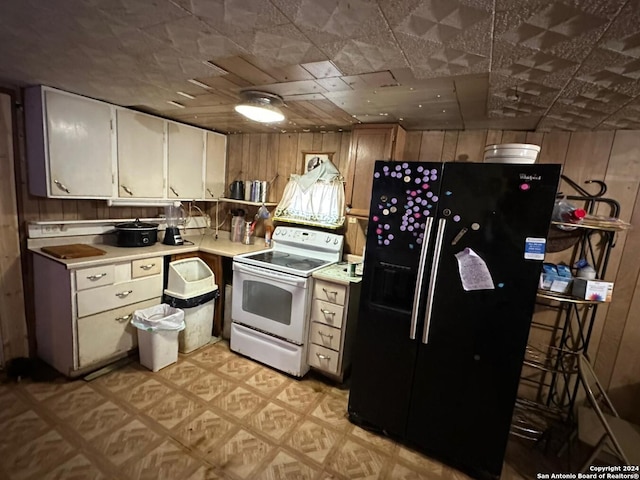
(334,314)
(108,333)
(83,316)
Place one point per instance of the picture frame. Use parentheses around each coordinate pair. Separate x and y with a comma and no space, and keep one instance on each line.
(311,160)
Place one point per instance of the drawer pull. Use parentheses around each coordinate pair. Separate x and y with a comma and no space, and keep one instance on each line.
(127,189)
(322,357)
(126,318)
(327,312)
(327,335)
(97,276)
(330,292)
(124,294)
(149,266)
(174,191)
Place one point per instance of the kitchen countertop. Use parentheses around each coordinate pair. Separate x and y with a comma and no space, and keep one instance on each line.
(200,242)
(338,273)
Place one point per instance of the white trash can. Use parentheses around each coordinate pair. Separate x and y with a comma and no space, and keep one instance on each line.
(198,318)
(191,287)
(158,329)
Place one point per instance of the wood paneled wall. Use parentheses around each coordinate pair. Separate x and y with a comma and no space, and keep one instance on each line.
(612,156)
(273,158)
(13,327)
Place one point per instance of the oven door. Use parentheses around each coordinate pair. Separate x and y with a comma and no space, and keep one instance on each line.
(270,301)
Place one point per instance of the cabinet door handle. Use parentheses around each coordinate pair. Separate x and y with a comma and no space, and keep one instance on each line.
(327,312)
(127,189)
(330,292)
(322,357)
(327,335)
(61,186)
(126,318)
(148,266)
(97,276)
(210,192)
(124,294)
(174,191)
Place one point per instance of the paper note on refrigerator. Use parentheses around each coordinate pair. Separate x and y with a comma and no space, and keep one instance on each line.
(474,272)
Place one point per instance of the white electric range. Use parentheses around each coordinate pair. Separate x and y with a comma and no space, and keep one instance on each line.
(272,296)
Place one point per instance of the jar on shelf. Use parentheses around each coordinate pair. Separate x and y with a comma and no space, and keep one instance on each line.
(567,213)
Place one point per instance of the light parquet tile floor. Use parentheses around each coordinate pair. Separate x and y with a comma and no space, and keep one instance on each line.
(213,415)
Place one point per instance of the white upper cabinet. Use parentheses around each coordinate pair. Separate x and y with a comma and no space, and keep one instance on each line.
(215,166)
(141,154)
(185,146)
(69,145)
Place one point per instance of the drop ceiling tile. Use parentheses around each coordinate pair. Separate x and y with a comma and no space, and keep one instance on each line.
(460,25)
(611,70)
(282,45)
(581,117)
(323,69)
(370,80)
(430,60)
(285,73)
(233,17)
(333,84)
(293,88)
(623,36)
(193,37)
(373,53)
(141,13)
(553,27)
(627,117)
(329,21)
(587,95)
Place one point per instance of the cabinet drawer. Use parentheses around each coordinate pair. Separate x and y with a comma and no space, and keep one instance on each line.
(108,333)
(146,267)
(113,296)
(326,312)
(94,277)
(324,335)
(323,358)
(330,292)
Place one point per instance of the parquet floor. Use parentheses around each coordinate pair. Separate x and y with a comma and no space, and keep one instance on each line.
(213,415)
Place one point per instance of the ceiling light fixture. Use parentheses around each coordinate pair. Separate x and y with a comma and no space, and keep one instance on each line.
(260,107)
(175,104)
(186,95)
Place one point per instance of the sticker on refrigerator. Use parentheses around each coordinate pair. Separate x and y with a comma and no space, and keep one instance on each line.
(474,272)
(534,248)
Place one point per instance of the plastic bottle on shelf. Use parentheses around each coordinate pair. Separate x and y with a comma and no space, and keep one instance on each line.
(585,270)
(565,212)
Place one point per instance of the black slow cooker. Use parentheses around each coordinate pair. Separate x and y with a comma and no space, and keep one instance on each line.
(136,234)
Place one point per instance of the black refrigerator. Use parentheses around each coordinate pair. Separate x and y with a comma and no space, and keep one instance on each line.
(452,264)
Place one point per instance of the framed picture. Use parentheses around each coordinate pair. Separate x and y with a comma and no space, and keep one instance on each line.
(311,160)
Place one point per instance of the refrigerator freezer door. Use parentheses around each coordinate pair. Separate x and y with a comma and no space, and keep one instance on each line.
(404,197)
(466,376)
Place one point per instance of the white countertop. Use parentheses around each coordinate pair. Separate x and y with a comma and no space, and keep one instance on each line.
(338,273)
(204,242)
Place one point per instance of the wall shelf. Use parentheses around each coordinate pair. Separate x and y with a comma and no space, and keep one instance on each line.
(243,202)
(550,370)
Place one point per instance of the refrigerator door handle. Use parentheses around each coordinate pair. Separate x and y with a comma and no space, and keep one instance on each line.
(442,223)
(417,296)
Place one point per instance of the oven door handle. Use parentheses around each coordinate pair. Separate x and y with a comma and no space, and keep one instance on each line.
(268,274)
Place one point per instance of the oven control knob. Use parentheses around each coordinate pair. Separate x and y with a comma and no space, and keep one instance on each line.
(327,240)
(335,241)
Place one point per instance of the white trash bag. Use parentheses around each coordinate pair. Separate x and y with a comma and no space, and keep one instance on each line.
(159,317)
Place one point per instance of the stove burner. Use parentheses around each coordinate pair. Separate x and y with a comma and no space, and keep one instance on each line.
(303,265)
